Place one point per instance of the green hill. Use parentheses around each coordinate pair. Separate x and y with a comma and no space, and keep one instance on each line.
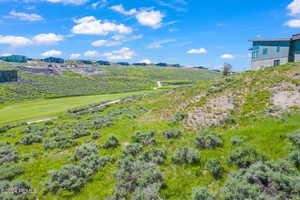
(228,138)
(38,83)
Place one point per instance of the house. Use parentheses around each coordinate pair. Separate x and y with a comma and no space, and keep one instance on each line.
(14,58)
(53,60)
(274,52)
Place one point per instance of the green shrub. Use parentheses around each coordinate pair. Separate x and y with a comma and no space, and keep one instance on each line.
(179,116)
(237,140)
(201,193)
(8,153)
(157,156)
(214,166)
(263,181)
(80,133)
(94,162)
(96,136)
(102,122)
(10,171)
(85,150)
(61,142)
(144,138)
(243,157)
(111,142)
(209,141)
(186,155)
(169,134)
(295,139)
(294,157)
(31,139)
(16,190)
(132,149)
(137,179)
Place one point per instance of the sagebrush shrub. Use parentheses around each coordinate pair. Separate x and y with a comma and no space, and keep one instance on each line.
(294,157)
(16,190)
(214,166)
(157,156)
(84,150)
(144,138)
(111,142)
(186,155)
(209,141)
(8,153)
(237,140)
(80,133)
(295,139)
(132,149)
(31,139)
(10,171)
(263,181)
(243,157)
(201,193)
(62,142)
(169,134)
(96,136)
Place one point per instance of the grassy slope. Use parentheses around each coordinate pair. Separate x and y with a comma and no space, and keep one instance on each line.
(266,134)
(44,108)
(116,79)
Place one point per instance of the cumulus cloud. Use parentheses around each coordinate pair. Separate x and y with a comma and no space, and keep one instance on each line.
(227,56)
(120,9)
(91,26)
(6,54)
(47,39)
(150,18)
(74,55)
(294,7)
(91,54)
(293,23)
(15,41)
(106,43)
(25,16)
(197,51)
(147,61)
(51,53)
(121,54)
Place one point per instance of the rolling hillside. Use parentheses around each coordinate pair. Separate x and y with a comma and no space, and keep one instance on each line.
(228,138)
(111,79)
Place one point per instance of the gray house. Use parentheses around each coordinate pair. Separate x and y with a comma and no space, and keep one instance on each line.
(274,52)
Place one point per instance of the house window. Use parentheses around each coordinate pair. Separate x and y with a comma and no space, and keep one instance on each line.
(277,49)
(276,63)
(265,51)
(255,52)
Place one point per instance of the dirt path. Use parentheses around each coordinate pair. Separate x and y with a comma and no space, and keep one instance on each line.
(52,118)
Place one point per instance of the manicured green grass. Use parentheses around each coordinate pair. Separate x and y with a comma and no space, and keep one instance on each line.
(45,108)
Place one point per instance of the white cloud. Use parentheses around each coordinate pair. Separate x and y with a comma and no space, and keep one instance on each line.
(293,23)
(99,4)
(120,9)
(75,2)
(197,51)
(121,54)
(159,44)
(25,16)
(106,43)
(227,56)
(150,18)
(51,53)
(147,61)
(91,26)
(47,39)
(294,7)
(6,54)
(15,41)
(91,54)
(74,55)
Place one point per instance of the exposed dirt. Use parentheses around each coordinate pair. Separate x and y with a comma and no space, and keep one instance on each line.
(286,99)
(212,113)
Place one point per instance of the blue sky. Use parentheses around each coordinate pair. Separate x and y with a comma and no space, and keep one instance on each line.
(188,32)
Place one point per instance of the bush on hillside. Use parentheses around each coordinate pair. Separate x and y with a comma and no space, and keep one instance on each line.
(138,179)
(294,157)
(94,162)
(8,153)
(201,193)
(16,190)
(236,140)
(169,134)
(132,149)
(243,157)
(31,139)
(144,138)
(295,139)
(186,155)
(10,171)
(102,122)
(209,141)
(214,166)
(263,181)
(95,136)
(179,116)
(85,150)
(80,133)
(111,142)
(157,156)
(61,142)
